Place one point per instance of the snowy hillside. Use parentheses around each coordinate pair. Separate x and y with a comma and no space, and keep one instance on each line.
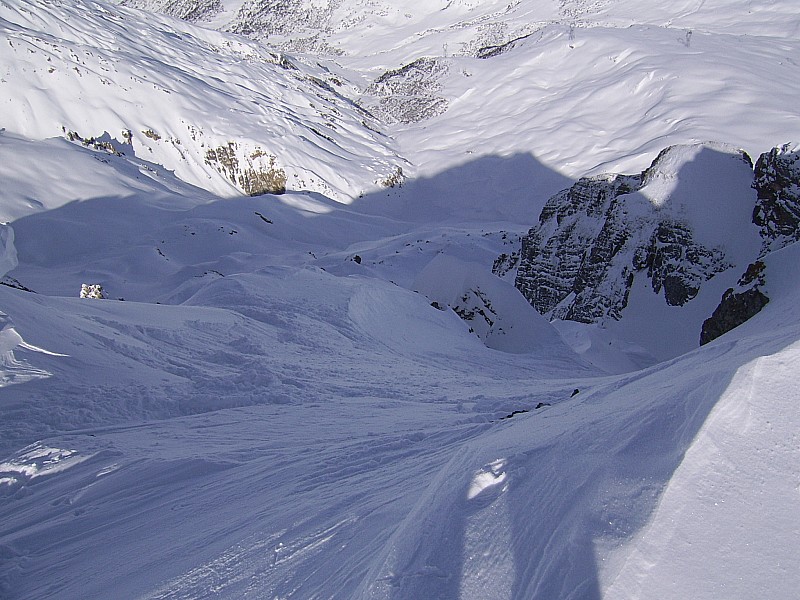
(221,112)
(582,86)
(311,375)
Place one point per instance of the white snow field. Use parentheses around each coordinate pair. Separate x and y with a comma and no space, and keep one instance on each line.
(274,401)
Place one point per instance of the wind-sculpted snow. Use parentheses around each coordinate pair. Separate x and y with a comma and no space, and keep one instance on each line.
(735,462)
(13,369)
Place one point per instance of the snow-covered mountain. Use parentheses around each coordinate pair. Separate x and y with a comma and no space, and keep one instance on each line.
(223,113)
(693,222)
(252,344)
(586,87)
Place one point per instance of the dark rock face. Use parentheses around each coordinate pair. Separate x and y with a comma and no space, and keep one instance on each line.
(735,309)
(476,309)
(581,230)
(505,263)
(777,212)
(676,264)
(593,239)
(493,50)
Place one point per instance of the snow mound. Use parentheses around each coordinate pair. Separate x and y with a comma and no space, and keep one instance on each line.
(493,308)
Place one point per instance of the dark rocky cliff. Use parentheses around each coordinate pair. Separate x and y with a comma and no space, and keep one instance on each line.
(593,239)
(777,211)
(596,238)
(737,305)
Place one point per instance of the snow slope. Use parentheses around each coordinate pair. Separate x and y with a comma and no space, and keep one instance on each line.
(406,480)
(269,405)
(604,99)
(582,86)
(174,93)
(582,90)
(732,503)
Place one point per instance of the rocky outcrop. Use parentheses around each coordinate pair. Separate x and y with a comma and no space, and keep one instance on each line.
(255,173)
(568,258)
(395,179)
(475,307)
(281,17)
(596,238)
(189,10)
(593,239)
(505,263)
(93,291)
(676,264)
(410,93)
(737,305)
(777,212)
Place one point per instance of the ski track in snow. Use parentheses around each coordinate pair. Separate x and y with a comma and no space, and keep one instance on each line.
(385,495)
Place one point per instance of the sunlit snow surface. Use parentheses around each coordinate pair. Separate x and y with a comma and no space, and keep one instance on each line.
(268,406)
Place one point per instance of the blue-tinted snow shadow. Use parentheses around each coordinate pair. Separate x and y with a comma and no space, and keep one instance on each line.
(485,189)
(558,504)
(254,231)
(594,476)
